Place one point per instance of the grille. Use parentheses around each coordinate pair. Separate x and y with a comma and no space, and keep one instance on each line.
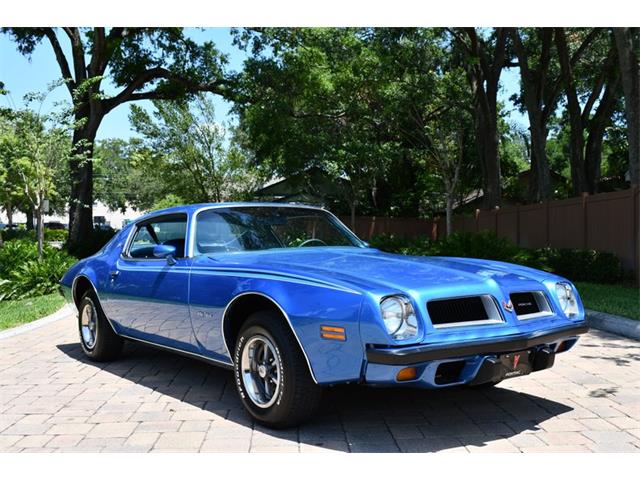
(530,304)
(463,311)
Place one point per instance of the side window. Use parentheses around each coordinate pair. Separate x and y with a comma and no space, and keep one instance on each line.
(164,231)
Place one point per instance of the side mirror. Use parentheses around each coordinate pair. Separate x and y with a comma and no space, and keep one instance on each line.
(165,251)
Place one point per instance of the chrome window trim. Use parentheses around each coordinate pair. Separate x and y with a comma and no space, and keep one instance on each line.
(284,314)
(544,306)
(136,226)
(490,306)
(192,225)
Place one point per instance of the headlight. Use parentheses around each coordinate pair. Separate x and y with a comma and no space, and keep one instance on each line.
(567,299)
(399,317)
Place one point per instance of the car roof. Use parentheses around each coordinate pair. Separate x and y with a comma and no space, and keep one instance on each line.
(202,206)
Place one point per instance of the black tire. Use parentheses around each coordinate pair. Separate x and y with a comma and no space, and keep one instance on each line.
(298,396)
(106,345)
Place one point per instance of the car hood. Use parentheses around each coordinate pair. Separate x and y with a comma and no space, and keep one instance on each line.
(371,269)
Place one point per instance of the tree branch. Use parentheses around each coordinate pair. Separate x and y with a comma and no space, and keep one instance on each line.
(129,93)
(60,58)
(77,50)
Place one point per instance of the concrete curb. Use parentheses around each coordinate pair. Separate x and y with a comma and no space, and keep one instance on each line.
(54,317)
(614,324)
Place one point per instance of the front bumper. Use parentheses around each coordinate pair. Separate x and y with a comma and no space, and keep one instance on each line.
(511,343)
(448,364)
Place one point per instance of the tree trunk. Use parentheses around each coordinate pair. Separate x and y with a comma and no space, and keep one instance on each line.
(540,186)
(484,77)
(29,214)
(81,172)
(576,138)
(449,213)
(532,87)
(596,129)
(353,215)
(9,209)
(40,228)
(630,76)
(487,145)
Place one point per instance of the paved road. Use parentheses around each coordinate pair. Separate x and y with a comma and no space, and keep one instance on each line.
(52,399)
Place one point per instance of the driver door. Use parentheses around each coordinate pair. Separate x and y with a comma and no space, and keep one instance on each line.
(148,296)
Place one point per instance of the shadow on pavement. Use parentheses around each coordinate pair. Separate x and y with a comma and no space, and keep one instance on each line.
(353,418)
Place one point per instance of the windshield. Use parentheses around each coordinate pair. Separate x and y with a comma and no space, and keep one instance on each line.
(262,228)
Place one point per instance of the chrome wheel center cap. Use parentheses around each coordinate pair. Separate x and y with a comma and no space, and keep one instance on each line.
(262,371)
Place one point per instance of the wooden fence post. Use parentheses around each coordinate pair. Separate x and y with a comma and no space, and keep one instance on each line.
(518,225)
(585,216)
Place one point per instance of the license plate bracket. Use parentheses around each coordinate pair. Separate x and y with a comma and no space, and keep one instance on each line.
(516,364)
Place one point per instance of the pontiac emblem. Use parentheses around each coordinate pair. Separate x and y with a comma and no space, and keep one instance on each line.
(508,306)
(516,360)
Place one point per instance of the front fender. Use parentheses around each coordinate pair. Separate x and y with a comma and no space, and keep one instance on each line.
(306,305)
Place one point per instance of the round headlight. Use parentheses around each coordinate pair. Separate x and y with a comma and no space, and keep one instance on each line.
(566,299)
(392,314)
(399,317)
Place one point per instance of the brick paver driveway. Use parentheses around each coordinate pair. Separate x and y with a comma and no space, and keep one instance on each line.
(53,399)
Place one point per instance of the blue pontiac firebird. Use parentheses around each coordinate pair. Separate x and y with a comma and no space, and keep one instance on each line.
(292,301)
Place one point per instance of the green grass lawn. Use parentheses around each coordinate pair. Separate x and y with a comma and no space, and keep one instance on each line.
(614,299)
(17,312)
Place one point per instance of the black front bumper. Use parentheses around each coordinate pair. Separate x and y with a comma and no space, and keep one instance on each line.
(425,353)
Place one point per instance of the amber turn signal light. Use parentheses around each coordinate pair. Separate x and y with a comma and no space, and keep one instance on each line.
(332,333)
(406,374)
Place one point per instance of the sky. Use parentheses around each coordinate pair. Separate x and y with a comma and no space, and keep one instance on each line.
(21,75)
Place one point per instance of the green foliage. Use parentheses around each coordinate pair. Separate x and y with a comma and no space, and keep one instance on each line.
(170,200)
(23,275)
(199,163)
(55,235)
(127,173)
(585,265)
(22,233)
(576,265)
(15,252)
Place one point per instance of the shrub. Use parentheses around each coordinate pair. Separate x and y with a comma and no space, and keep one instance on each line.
(406,245)
(16,252)
(55,235)
(577,265)
(17,234)
(585,265)
(21,233)
(23,275)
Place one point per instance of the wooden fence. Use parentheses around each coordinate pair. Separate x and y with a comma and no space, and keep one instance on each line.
(607,222)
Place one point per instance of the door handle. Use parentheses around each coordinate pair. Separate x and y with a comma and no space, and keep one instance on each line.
(114,273)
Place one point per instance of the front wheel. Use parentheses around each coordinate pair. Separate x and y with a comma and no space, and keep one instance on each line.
(271,373)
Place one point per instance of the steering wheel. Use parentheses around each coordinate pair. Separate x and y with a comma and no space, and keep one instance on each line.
(312,240)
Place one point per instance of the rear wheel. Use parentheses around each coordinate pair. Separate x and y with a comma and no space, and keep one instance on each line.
(271,373)
(98,340)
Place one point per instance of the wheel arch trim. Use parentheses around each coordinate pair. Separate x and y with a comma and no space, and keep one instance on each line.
(282,311)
